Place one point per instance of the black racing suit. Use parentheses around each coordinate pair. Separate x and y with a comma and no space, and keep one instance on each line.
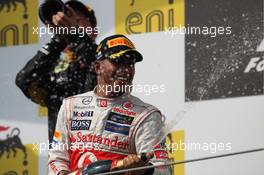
(47,80)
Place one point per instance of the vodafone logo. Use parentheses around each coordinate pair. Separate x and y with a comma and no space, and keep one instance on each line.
(256,63)
(128,105)
(122,111)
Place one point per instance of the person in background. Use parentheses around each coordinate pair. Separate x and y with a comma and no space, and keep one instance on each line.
(62,67)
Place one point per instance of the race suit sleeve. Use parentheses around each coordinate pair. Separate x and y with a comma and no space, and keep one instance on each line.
(59,153)
(148,138)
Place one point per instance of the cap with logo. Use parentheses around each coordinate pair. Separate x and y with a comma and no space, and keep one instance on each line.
(117,48)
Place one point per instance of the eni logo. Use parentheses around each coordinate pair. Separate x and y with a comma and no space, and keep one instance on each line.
(17,18)
(135,17)
(11,144)
(16,157)
(14,3)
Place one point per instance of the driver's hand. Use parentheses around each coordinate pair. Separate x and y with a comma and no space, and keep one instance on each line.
(132,161)
(62,20)
(72,19)
(63,172)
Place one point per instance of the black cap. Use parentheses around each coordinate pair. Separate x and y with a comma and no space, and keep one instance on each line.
(117,47)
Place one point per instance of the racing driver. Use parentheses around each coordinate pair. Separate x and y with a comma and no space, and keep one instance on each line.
(109,123)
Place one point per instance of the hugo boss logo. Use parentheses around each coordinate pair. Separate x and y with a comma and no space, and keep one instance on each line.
(80,125)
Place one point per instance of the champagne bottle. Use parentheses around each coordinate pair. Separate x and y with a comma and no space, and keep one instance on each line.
(103,166)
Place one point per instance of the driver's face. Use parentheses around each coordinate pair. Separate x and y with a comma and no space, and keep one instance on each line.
(82,20)
(118,73)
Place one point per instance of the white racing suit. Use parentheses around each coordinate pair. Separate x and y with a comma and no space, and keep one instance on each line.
(91,128)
